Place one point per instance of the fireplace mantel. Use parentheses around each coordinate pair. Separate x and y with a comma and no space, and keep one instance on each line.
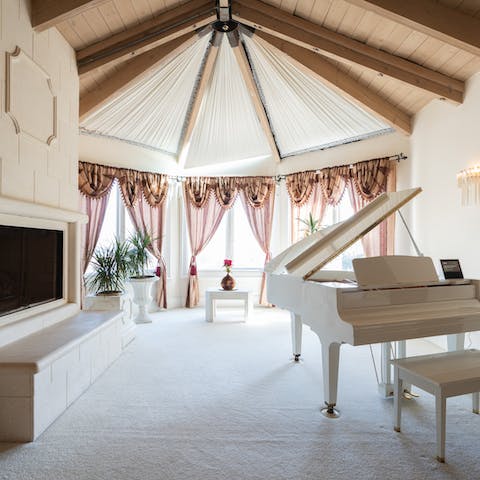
(27,214)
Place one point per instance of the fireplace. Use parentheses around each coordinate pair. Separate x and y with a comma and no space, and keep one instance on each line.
(39,266)
(31,267)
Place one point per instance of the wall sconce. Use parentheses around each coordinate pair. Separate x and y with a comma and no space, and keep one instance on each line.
(469,182)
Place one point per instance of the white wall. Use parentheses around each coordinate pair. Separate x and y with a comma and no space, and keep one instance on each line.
(446,139)
(30,169)
(34,170)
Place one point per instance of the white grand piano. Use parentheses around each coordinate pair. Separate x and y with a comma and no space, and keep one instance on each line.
(385,299)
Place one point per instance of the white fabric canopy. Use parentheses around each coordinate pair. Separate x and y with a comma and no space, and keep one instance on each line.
(152,112)
(303,112)
(227,127)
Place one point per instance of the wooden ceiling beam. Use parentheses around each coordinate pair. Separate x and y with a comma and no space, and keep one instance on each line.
(318,39)
(243,63)
(131,72)
(313,63)
(48,13)
(432,18)
(137,40)
(203,82)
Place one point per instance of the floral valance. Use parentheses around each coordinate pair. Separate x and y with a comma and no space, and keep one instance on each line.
(96,180)
(300,187)
(257,190)
(369,179)
(198,190)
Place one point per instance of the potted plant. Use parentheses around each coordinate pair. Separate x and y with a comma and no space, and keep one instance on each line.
(141,281)
(110,269)
(310,225)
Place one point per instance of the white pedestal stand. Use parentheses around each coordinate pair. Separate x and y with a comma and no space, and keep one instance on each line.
(141,297)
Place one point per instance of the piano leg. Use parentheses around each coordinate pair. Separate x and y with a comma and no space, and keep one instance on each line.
(296,325)
(330,359)
(386,382)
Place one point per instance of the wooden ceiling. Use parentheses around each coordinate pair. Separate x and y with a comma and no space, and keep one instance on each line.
(404,53)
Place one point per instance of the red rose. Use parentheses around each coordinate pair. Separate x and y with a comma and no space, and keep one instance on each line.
(227,263)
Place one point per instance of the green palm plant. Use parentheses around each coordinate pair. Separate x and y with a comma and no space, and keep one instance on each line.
(138,253)
(310,225)
(111,268)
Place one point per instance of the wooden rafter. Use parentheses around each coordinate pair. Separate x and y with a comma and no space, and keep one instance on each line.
(47,13)
(316,38)
(252,88)
(313,63)
(139,39)
(432,18)
(197,101)
(131,73)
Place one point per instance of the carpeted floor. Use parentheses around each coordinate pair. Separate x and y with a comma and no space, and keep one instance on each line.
(191,400)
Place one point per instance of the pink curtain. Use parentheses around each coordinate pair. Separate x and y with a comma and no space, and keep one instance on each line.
(368,180)
(144,195)
(151,220)
(260,218)
(95,209)
(94,183)
(202,223)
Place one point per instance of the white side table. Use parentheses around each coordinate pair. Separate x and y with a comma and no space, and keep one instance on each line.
(443,375)
(213,294)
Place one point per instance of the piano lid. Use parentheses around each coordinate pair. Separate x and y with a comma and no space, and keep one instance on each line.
(310,254)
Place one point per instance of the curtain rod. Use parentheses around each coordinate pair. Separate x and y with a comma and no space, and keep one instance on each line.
(278,178)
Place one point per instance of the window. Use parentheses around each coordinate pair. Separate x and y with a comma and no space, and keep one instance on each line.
(117,223)
(233,239)
(333,214)
(110,223)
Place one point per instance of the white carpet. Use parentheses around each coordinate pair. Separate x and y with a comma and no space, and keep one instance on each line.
(191,400)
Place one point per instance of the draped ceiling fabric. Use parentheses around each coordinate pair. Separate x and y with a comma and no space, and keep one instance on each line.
(227,127)
(152,112)
(304,114)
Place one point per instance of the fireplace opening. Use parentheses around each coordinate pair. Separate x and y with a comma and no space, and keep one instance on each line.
(31,267)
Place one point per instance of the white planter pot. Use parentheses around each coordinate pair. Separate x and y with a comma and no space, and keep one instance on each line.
(141,297)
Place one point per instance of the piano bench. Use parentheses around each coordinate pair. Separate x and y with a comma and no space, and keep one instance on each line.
(443,375)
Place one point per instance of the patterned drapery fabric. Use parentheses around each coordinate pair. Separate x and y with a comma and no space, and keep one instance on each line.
(369,178)
(95,181)
(226,190)
(364,181)
(333,181)
(300,187)
(257,190)
(144,195)
(129,181)
(198,190)
(155,188)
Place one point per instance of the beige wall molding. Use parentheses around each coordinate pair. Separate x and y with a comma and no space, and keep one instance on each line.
(29,98)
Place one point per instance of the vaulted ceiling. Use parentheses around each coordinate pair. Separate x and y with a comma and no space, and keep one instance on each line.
(388,58)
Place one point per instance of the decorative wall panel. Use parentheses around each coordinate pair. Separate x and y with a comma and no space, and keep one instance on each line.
(29,99)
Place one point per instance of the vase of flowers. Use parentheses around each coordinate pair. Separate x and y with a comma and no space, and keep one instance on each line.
(228,282)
